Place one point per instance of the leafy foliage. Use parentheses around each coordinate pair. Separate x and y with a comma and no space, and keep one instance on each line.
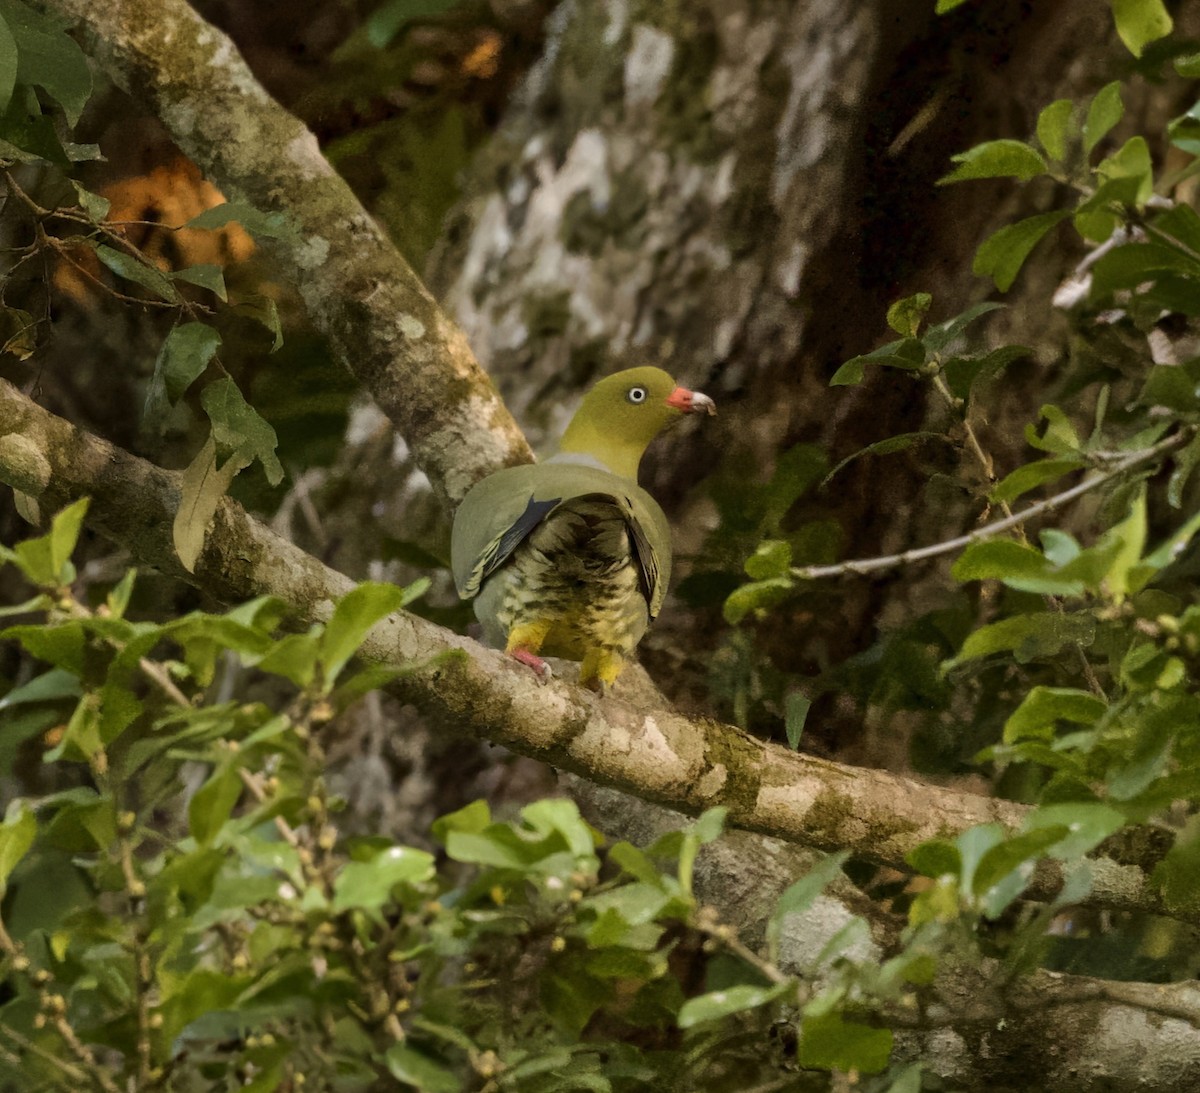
(185,909)
(1065,666)
(251,941)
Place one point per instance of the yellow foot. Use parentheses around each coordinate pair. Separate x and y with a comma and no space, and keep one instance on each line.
(600,669)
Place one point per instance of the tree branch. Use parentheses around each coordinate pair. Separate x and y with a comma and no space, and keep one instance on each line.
(1120,465)
(655,754)
(381,320)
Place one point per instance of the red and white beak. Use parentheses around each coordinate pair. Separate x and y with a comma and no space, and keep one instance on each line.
(691,402)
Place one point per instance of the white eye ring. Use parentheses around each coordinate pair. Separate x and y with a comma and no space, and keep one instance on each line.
(636,395)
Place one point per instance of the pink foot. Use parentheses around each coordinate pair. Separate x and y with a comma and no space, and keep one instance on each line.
(531,660)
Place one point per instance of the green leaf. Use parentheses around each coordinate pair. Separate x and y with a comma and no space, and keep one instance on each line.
(1088,824)
(294,657)
(368,885)
(61,645)
(1059,546)
(907,354)
(389,18)
(370,677)
(1098,217)
(1140,22)
(1002,254)
(48,687)
(263,310)
(709,825)
(1017,565)
(904,316)
(891,444)
(1104,111)
(1059,436)
(268,225)
(1005,870)
(1028,637)
(17,833)
(1031,475)
(212,803)
(353,617)
(962,373)
(120,594)
(472,818)
(94,205)
(718,1004)
(201,487)
(944,334)
(1188,67)
(1163,555)
(944,6)
(1055,126)
(1177,876)
(796,709)
(1130,534)
(1130,162)
(560,816)
(1182,223)
(1131,264)
(1174,387)
(973,843)
(496,846)
(935,858)
(238,427)
(207,277)
(996,159)
(48,57)
(771,558)
(799,896)
(64,534)
(756,596)
(134,269)
(46,560)
(829,1042)
(422,1072)
(1043,706)
(184,355)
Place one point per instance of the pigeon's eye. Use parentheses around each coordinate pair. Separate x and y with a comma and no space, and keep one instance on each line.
(636,395)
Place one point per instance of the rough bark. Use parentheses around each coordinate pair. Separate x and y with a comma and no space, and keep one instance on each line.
(358,290)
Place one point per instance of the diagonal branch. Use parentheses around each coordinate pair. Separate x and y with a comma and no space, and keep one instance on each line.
(381,320)
(655,754)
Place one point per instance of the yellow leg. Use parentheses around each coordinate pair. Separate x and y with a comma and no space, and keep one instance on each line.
(600,669)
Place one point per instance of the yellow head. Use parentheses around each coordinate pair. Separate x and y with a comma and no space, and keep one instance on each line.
(624,412)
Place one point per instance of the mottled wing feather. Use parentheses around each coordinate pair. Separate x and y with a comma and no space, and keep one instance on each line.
(497,552)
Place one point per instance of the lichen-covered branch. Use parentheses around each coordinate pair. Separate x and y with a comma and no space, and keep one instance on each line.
(977,1028)
(655,754)
(358,290)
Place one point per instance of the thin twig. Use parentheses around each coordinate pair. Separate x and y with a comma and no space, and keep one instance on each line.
(865,566)
(25,1044)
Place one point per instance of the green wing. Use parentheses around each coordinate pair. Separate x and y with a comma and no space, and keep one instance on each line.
(500,512)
